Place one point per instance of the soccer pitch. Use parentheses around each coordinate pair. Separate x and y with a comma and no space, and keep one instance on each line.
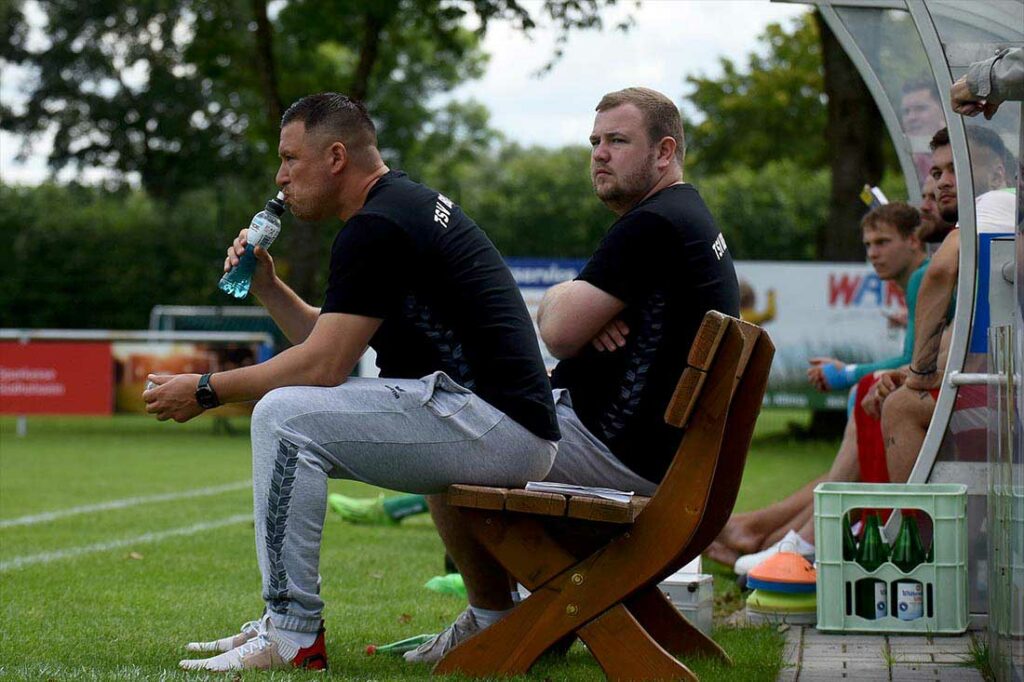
(122,539)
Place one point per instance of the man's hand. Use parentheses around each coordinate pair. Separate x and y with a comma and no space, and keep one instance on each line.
(173,397)
(816,372)
(967,104)
(612,337)
(897,318)
(264,273)
(886,384)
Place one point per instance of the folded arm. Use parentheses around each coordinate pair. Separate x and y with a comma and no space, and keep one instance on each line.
(572,313)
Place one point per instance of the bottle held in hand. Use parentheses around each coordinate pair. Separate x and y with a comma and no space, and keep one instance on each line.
(263,230)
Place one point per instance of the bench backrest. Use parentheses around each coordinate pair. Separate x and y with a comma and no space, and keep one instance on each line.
(717,401)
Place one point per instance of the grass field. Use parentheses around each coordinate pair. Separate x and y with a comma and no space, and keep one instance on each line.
(123,538)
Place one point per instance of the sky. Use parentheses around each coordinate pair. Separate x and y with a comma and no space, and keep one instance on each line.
(669,40)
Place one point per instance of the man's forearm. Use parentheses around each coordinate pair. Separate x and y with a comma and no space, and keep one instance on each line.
(291,367)
(549,301)
(930,321)
(294,316)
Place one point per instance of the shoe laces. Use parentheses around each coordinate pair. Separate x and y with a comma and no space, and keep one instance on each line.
(253,627)
(257,643)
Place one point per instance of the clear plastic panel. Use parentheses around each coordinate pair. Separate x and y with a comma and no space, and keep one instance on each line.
(891,44)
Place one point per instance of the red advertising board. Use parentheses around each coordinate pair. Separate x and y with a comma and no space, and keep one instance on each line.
(43,377)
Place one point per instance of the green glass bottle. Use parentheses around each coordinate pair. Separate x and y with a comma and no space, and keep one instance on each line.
(871,594)
(907,597)
(849,542)
(907,551)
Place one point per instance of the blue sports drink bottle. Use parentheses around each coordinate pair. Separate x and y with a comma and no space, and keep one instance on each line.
(263,230)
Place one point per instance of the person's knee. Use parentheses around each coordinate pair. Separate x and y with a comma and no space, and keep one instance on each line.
(269,408)
(907,407)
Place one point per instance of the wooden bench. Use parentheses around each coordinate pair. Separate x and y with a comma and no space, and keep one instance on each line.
(593,566)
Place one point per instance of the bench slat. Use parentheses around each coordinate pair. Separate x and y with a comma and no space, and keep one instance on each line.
(709,335)
(608,511)
(477,496)
(527,502)
(685,397)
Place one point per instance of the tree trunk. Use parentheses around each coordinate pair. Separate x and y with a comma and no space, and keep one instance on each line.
(855,133)
(266,66)
(373,25)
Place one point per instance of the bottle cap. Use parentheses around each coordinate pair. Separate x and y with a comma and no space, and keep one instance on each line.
(276,205)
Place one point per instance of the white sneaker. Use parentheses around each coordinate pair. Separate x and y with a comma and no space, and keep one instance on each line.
(434,649)
(792,542)
(268,650)
(247,632)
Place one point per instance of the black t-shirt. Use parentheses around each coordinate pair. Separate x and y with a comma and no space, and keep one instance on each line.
(669,264)
(412,258)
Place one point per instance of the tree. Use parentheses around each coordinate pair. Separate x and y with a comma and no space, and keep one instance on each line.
(536,201)
(773,109)
(800,101)
(184,93)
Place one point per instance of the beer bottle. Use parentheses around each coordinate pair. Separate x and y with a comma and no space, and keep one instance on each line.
(907,554)
(871,597)
(849,542)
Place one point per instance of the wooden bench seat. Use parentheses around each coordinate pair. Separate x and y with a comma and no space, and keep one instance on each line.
(582,507)
(593,566)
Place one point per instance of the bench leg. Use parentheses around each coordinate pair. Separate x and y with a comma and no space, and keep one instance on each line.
(669,628)
(626,651)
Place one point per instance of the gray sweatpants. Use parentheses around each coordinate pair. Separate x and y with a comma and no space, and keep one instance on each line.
(414,435)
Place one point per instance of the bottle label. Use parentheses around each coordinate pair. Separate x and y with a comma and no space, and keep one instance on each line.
(909,600)
(881,608)
(262,231)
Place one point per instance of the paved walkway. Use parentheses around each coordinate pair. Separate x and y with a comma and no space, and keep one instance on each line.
(813,656)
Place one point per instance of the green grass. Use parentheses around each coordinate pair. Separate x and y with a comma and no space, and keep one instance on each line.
(125,612)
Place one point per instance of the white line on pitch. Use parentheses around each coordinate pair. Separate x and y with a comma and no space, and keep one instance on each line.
(121,504)
(47,557)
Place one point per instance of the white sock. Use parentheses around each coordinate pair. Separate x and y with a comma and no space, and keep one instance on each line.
(486,617)
(301,640)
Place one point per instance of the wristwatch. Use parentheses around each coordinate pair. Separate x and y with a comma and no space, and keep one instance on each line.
(205,395)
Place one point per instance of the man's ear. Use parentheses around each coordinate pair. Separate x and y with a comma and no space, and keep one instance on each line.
(339,157)
(666,152)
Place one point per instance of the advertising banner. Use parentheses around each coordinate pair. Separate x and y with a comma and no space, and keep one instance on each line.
(134,361)
(50,377)
(838,310)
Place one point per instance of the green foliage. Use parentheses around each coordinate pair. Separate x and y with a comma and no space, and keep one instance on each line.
(772,212)
(536,201)
(773,109)
(183,92)
(88,258)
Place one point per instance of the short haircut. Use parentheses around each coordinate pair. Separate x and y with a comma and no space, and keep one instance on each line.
(904,217)
(917,84)
(986,137)
(335,113)
(660,114)
(939,139)
(979,136)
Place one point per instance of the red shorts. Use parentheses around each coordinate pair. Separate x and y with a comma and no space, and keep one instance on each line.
(870,446)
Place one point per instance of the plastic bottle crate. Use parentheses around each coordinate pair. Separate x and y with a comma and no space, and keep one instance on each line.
(944,580)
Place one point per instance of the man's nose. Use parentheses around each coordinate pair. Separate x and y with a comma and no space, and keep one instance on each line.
(600,151)
(281,179)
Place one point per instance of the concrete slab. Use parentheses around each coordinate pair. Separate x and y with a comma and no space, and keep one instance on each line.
(949,673)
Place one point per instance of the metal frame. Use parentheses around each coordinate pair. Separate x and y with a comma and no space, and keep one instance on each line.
(964,311)
(885,108)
